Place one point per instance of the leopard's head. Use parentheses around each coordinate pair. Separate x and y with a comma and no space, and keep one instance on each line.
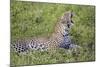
(67,21)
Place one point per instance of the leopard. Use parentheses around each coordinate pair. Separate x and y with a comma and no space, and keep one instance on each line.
(60,38)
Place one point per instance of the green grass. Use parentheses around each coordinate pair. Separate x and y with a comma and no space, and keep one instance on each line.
(30,19)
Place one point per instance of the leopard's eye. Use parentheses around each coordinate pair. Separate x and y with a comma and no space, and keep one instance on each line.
(72,21)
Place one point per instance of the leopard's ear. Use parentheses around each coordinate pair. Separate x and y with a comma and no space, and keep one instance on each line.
(72,14)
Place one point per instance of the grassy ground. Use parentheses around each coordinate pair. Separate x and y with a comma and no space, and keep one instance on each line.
(38,19)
